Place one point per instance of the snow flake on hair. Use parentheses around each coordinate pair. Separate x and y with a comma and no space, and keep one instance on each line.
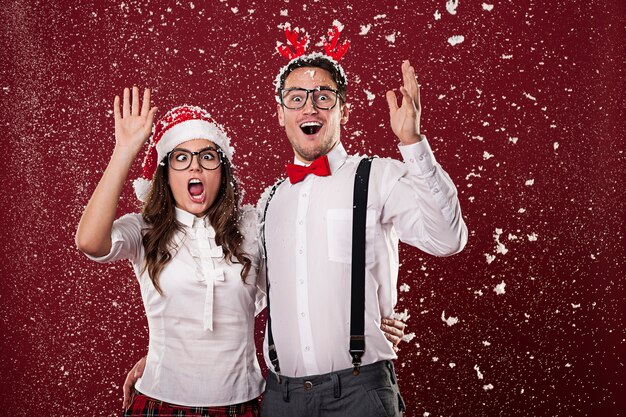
(186,112)
(308,58)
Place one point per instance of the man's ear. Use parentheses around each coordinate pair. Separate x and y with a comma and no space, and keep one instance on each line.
(280,114)
(345,113)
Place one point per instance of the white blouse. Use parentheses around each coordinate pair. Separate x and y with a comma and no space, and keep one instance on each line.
(201,345)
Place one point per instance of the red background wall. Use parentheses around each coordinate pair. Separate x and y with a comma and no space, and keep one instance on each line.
(526,114)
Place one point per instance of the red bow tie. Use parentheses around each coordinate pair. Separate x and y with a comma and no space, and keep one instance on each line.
(319,167)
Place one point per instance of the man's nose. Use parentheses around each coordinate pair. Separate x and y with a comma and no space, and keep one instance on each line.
(309,107)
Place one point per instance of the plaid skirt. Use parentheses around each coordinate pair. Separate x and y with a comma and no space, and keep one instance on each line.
(145,406)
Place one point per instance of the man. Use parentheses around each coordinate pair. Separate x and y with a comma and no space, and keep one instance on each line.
(308,237)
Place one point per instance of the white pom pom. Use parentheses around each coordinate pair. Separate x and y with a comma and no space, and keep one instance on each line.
(142,188)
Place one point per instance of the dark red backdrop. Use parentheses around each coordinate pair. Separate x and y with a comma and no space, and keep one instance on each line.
(526,114)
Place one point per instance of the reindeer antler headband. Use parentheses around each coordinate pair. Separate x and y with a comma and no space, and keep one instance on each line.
(295,49)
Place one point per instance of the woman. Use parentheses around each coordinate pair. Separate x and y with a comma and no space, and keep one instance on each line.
(194,255)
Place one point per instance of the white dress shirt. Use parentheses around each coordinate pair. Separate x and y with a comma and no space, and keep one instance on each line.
(309,252)
(201,350)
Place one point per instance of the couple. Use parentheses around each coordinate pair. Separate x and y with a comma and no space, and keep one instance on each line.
(196,255)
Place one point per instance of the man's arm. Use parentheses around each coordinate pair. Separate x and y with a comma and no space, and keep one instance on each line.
(133,375)
(419,197)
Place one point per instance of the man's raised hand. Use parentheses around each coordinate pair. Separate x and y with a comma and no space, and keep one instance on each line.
(405,119)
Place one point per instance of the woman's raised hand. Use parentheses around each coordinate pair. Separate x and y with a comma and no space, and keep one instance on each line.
(132,124)
(132,130)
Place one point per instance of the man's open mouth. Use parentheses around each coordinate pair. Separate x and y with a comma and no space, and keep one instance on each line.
(310,128)
(196,190)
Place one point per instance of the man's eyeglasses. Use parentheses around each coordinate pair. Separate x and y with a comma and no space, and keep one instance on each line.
(208,158)
(323,98)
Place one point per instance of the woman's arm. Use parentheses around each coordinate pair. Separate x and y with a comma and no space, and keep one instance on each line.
(132,129)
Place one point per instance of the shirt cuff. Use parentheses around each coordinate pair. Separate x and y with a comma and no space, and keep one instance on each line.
(418,157)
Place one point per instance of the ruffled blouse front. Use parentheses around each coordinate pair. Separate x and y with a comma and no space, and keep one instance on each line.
(201,350)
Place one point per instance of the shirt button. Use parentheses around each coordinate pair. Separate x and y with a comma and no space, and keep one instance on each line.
(435,190)
(300,222)
(303,195)
(300,251)
(412,160)
(421,158)
(307,348)
(301,281)
(302,314)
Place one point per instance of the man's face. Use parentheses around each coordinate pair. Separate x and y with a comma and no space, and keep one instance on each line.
(312,132)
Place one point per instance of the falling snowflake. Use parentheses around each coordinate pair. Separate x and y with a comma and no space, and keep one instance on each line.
(450,321)
(456,39)
(451,6)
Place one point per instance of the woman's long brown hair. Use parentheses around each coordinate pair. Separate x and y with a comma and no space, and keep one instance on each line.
(160,215)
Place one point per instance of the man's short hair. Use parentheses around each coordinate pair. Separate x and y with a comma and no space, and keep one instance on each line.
(316,60)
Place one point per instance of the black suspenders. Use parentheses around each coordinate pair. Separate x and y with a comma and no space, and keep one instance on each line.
(270,337)
(357,305)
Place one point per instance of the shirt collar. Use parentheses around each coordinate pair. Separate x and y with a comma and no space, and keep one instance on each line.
(336,157)
(190,220)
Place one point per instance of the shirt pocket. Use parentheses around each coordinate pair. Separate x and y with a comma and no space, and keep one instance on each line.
(339,235)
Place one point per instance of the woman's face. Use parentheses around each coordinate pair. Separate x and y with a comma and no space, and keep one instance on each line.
(195,188)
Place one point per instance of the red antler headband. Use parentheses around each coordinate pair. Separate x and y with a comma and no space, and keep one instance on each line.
(295,49)
(299,46)
(331,47)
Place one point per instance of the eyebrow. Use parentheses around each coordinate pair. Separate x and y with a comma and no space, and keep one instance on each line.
(208,148)
(316,87)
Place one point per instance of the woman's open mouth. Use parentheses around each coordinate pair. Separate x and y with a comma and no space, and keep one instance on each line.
(196,190)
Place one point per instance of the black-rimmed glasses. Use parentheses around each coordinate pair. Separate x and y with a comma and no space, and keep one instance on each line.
(208,158)
(323,98)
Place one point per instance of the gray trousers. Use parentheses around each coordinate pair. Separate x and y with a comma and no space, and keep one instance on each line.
(374,392)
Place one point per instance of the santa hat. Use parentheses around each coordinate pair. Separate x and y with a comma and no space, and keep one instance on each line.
(179,125)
